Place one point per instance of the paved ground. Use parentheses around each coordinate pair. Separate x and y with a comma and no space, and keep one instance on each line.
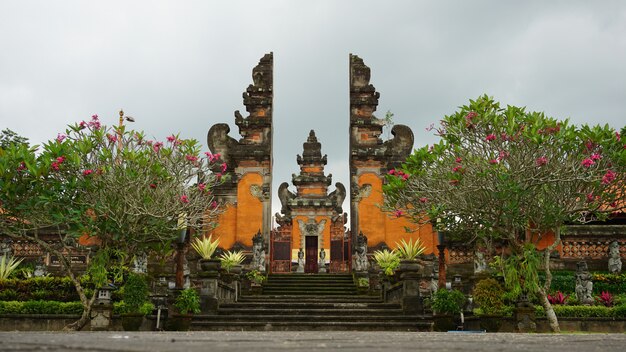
(307,341)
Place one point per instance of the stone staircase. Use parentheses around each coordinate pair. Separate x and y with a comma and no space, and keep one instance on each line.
(297,302)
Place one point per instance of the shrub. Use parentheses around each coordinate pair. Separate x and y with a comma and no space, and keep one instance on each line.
(40,307)
(410,250)
(188,301)
(605,298)
(205,247)
(38,288)
(489,295)
(256,276)
(448,302)
(8,265)
(135,292)
(614,283)
(122,308)
(229,259)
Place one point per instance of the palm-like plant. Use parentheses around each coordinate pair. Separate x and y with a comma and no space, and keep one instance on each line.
(230,259)
(410,250)
(205,246)
(8,265)
(387,260)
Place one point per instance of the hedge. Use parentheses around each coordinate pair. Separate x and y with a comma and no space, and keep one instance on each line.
(564,311)
(38,288)
(40,307)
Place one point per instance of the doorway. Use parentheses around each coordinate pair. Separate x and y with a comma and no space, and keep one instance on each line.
(310,264)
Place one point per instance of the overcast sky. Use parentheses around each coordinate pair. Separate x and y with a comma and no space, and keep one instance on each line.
(181,66)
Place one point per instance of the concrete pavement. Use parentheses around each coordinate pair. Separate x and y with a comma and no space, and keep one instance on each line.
(307,341)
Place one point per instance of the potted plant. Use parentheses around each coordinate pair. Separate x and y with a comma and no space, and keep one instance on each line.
(231,261)
(446,304)
(187,303)
(256,280)
(408,252)
(135,302)
(205,247)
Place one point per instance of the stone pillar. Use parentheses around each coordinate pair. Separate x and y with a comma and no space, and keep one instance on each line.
(411,299)
(208,291)
(102,310)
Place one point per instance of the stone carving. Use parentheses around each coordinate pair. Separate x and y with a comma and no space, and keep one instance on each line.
(6,248)
(401,145)
(257,192)
(615,262)
(480,263)
(361,192)
(258,253)
(584,285)
(140,263)
(300,268)
(338,196)
(322,263)
(311,228)
(285,195)
(41,269)
(360,254)
(220,142)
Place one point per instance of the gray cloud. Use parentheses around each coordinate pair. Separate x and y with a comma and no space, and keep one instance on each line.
(182,66)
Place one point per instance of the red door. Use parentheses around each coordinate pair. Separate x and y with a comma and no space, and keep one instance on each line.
(310,259)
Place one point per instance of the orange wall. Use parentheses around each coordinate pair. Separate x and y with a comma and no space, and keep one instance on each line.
(249,209)
(226,227)
(380,226)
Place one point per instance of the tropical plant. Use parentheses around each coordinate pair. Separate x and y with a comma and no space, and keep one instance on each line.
(605,298)
(448,302)
(229,259)
(410,250)
(558,298)
(509,175)
(387,260)
(256,276)
(188,302)
(8,265)
(205,247)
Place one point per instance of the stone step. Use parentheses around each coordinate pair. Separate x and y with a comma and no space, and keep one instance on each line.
(308,318)
(281,311)
(298,298)
(312,305)
(310,326)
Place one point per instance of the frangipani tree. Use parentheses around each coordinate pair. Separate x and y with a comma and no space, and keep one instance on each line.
(110,187)
(515,176)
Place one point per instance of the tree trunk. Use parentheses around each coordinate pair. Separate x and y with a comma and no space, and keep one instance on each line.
(543,292)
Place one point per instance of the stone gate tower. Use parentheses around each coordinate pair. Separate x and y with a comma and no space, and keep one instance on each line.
(247,190)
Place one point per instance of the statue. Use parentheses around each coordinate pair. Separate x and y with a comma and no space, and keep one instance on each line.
(300,268)
(258,253)
(6,249)
(434,281)
(140,264)
(615,262)
(584,285)
(322,262)
(40,269)
(360,254)
(480,263)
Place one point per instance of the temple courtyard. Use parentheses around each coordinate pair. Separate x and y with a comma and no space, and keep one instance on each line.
(307,341)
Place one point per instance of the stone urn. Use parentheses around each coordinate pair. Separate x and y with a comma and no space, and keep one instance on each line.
(210,265)
(236,269)
(410,265)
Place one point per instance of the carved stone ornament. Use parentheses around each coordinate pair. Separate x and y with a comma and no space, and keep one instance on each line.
(360,260)
(615,261)
(584,285)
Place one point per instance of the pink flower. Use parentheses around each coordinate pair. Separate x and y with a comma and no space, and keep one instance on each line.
(589,145)
(22,166)
(112,138)
(60,159)
(201,187)
(608,177)
(87,172)
(157,146)
(430,127)
(398,213)
(541,161)
(504,136)
(503,154)
(490,137)
(590,197)
(94,123)
(61,137)
(423,200)
(82,125)
(493,161)
(596,156)
(153,186)
(392,171)
(470,115)
(224,167)
(405,177)
(458,159)
(588,162)
(55,166)
(218,175)
(613,205)
(184,199)
(618,136)
(213,204)
(94,117)
(457,168)
(171,138)
(191,158)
